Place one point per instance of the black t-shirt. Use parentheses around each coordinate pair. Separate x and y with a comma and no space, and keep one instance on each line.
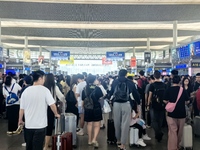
(152,87)
(171,96)
(196,86)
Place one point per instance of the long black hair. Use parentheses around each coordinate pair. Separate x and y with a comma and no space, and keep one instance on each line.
(68,80)
(74,81)
(50,83)
(8,81)
(90,82)
(189,84)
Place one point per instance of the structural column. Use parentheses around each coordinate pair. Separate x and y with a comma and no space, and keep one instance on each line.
(40,50)
(148,50)
(175,33)
(26,42)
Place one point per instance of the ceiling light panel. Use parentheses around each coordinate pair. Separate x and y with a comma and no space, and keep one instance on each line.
(113,1)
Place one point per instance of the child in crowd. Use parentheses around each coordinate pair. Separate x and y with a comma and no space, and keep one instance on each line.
(138,123)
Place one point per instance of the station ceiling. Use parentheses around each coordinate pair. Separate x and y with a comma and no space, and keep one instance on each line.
(99,25)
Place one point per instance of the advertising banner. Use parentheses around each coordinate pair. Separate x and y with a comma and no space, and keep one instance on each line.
(27,56)
(60,55)
(40,60)
(67,62)
(106,62)
(115,56)
(147,57)
(133,62)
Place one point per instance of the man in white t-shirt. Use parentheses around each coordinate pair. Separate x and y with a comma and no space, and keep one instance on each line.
(79,89)
(34,102)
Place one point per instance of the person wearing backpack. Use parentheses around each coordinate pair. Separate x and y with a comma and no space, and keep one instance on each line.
(10,92)
(121,90)
(92,109)
(156,105)
(142,83)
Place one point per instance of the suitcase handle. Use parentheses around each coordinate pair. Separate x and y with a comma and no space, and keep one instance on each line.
(57,126)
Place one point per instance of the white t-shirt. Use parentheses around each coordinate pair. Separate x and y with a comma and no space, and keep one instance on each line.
(79,90)
(15,90)
(34,101)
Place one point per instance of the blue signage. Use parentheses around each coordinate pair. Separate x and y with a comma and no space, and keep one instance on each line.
(1,66)
(184,52)
(60,55)
(181,66)
(115,56)
(197,48)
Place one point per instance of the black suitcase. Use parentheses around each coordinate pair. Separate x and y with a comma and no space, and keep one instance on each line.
(111,132)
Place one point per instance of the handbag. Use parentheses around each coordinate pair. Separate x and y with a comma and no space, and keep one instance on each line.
(171,106)
(106,107)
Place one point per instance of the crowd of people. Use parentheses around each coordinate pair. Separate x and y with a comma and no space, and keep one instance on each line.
(137,102)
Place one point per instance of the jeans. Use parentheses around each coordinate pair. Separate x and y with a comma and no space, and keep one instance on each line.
(34,138)
(157,121)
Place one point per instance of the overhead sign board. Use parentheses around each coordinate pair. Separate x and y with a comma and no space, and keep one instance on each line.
(60,55)
(195,64)
(115,56)
(181,66)
(106,62)
(147,57)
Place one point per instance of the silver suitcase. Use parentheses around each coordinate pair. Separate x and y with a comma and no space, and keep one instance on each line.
(187,141)
(68,124)
(133,136)
(197,126)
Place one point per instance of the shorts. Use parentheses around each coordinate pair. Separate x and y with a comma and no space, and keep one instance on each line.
(80,110)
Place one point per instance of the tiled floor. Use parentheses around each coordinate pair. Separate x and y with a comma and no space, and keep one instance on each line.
(14,142)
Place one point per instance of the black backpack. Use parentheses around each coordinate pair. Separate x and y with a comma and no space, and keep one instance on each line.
(157,97)
(121,93)
(88,101)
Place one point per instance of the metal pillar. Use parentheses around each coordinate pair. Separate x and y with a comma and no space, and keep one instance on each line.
(148,50)
(175,33)
(26,42)
(148,44)
(40,50)
(134,52)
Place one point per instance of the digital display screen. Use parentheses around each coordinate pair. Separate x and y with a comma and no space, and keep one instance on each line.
(197,48)
(184,52)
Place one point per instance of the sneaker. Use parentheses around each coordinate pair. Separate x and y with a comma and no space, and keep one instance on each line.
(19,130)
(103,127)
(140,142)
(95,144)
(80,132)
(24,144)
(9,133)
(146,137)
(77,129)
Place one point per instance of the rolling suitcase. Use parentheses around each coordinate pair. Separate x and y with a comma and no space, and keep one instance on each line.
(196,126)
(111,138)
(69,125)
(187,137)
(61,141)
(133,138)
